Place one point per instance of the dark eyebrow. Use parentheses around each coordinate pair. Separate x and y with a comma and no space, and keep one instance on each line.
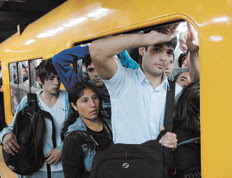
(170,50)
(183,77)
(52,75)
(95,95)
(84,98)
(158,45)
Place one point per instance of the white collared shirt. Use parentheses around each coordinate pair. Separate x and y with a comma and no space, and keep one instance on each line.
(137,109)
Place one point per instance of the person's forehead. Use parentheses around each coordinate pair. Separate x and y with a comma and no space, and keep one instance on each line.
(184,75)
(90,66)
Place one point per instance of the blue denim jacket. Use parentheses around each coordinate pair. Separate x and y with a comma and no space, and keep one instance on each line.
(89,153)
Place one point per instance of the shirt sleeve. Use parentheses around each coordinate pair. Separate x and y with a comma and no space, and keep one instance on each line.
(60,146)
(62,63)
(127,61)
(9,129)
(120,81)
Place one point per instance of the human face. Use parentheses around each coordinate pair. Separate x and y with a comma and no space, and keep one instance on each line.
(184,79)
(24,72)
(156,59)
(94,76)
(87,105)
(170,68)
(51,85)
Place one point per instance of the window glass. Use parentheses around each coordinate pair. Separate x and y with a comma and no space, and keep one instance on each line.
(22,80)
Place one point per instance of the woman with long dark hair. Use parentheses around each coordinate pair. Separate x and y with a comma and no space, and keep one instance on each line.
(84,133)
(186,125)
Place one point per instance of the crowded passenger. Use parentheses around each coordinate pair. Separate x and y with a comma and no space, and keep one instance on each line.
(183,79)
(25,80)
(69,77)
(187,118)
(189,42)
(54,101)
(137,96)
(85,132)
(186,125)
(170,68)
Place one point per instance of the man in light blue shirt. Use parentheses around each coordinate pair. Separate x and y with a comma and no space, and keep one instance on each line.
(54,101)
(137,96)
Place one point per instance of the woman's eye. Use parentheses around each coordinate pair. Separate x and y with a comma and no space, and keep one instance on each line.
(95,97)
(84,101)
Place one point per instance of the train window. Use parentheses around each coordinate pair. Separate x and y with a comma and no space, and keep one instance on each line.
(22,80)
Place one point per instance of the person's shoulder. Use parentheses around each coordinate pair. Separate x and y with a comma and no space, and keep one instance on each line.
(178,89)
(63,94)
(23,102)
(107,121)
(73,136)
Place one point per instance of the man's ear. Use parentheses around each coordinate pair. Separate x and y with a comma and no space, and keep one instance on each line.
(74,106)
(142,51)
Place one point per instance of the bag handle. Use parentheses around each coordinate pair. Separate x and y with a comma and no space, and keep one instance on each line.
(192,140)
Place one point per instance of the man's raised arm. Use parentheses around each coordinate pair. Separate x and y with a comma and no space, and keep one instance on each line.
(102,51)
(189,41)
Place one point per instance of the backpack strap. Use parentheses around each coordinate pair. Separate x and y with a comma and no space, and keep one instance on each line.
(192,140)
(48,115)
(32,100)
(169,108)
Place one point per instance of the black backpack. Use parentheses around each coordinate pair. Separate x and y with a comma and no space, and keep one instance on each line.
(147,160)
(29,128)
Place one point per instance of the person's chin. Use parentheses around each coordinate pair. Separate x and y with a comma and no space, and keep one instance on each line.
(99,84)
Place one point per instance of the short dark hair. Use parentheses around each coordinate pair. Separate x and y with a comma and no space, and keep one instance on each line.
(87,61)
(187,110)
(44,69)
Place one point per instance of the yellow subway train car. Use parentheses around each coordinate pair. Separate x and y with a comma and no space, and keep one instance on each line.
(82,21)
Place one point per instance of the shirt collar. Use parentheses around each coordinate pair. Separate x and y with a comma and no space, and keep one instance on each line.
(142,78)
(141,75)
